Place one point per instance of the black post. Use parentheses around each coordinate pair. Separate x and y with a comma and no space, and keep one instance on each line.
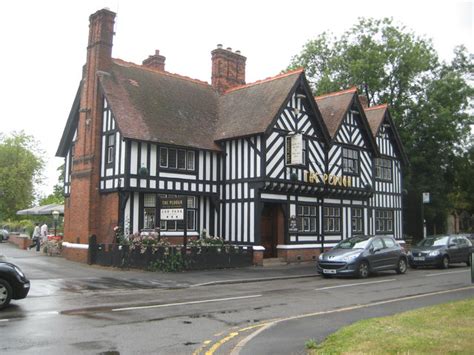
(92,251)
(185,207)
(472,267)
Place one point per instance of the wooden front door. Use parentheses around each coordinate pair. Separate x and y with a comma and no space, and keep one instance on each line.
(271,229)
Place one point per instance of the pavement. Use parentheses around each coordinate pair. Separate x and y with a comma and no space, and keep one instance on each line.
(39,266)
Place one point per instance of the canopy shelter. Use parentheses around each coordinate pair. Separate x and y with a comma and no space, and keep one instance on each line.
(42,210)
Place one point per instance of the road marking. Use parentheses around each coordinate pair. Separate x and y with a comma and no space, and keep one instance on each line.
(355,284)
(221,342)
(236,350)
(4,320)
(184,303)
(447,272)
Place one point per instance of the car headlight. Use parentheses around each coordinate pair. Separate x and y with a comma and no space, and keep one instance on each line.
(350,258)
(434,253)
(321,257)
(19,272)
(409,253)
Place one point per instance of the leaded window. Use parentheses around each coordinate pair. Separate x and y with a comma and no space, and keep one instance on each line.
(332,219)
(383,221)
(383,169)
(357,220)
(350,161)
(307,218)
(180,159)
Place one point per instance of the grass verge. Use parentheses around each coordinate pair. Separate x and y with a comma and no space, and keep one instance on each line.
(443,329)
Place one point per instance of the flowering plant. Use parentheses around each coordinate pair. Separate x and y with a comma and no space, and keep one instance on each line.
(144,240)
(210,241)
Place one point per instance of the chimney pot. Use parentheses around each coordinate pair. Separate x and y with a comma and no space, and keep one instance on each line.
(156,61)
(229,49)
(219,46)
(237,51)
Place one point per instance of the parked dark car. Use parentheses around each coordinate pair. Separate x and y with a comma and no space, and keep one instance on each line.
(13,283)
(440,251)
(361,255)
(4,235)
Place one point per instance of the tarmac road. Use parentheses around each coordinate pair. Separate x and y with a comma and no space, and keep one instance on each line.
(81,309)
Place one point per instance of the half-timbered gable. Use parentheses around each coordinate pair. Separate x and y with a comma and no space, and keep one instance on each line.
(349,165)
(386,203)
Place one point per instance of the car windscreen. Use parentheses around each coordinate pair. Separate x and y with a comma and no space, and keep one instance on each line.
(353,243)
(434,242)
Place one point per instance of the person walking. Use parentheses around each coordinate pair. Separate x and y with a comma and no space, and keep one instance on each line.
(36,238)
(44,233)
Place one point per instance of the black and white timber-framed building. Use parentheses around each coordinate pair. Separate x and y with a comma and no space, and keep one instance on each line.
(263,164)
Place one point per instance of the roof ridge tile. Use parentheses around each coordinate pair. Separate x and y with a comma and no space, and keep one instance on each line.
(131,64)
(336,93)
(377,107)
(262,81)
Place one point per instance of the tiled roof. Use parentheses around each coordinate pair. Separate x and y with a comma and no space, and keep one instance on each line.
(161,107)
(333,108)
(157,106)
(375,116)
(250,109)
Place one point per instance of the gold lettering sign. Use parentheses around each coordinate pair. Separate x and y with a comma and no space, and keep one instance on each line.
(327,179)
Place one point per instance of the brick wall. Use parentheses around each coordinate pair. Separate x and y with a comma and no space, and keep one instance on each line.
(21,241)
(86,211)
(73,254)
(296,255)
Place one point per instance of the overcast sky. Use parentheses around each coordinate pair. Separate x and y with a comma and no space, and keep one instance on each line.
(44,44)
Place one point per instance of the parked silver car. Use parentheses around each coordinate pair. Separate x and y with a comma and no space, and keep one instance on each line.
(361,255)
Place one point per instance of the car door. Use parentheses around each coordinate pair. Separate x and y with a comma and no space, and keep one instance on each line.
(454,250)
(392,252)
(463,246)
(377,257)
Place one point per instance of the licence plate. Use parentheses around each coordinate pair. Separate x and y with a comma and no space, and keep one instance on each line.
(329,271)
(419,258)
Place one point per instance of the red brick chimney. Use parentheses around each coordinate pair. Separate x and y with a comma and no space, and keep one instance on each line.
(228,68)
(83,213)
(155,61)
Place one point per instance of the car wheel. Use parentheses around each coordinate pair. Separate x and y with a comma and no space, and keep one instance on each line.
(444,262)
(5,293)
(363,270)
(402,266)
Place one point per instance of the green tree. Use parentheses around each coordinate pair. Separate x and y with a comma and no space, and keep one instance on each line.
(57,196)
(429,100)
(21,165)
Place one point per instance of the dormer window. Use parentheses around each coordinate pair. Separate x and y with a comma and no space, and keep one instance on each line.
(350,161)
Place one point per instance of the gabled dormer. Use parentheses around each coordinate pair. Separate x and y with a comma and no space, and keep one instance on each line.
(352,146)
(385,133)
